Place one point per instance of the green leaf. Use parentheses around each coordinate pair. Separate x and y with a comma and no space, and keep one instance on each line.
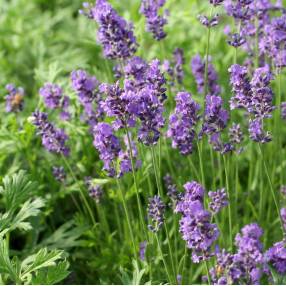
(42,259)
(29,209)
(17,189)
(6,265)
(52,275)
(66,236)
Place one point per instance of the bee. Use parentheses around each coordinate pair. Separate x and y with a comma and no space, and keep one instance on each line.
(17,101)
(219,270)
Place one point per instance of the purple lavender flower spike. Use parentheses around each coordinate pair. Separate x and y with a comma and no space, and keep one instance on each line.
(156,209)
(240,87)
(236,40)
(14,98)
(218,200)
(235,134)
(209,22)
(142,250)
(154,22)
(249,253)
(59,173)
(114,33)
(86,87)
(256,132)
(179,61)
(182,123)
(195,225)
(262,95)
(95,191)
(276,256)
(52,94)
(198,70)
(108,146)
(53,139)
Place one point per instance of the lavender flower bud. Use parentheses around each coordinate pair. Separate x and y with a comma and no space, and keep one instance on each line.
(156,209)
(256,132)
(236,40)
(95,191)
(142,250)
(209,22)
(276,256)
(52,94)
(59,173)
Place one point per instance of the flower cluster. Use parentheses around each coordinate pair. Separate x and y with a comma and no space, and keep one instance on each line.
(54,99)
(108,146)
(195,225)
(209,22)
(198,69)
(182,123)
(218,200)
(156,209)
(276,256)
(95,191)
(59,173)
(114,33)
(14,98)
(86,88)
(53,139)
(155,22)
(255,97)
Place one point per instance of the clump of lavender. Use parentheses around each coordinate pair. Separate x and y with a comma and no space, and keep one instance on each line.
(108,146)
(53,139)
(172,191)
(114,33)
(95,191)
(156,209)
(142,250)
(154,22)
(182,123)
(276,256)
(86,87)
(198,70)
(116,105)
(218,200)
(283,110)
(59,173)
(14,98)
(249,256)
(195,225)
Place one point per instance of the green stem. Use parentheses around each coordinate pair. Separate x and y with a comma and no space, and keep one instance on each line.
(229,201)
(162,256)
(136,184)
(201,162)
(161,195)
(208,272)
(127,218)
(81,191)
(271,187)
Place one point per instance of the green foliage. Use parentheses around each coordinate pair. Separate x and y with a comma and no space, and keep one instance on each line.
(44,267)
